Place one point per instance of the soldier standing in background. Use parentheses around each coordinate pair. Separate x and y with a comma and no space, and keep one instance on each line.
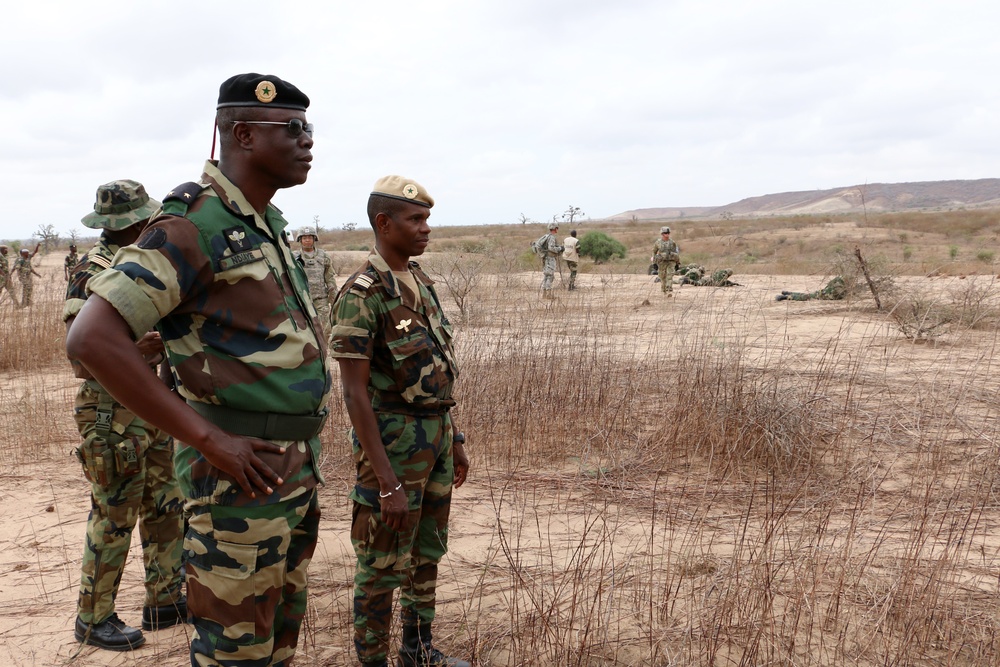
(25,274)
(550,250)
(319,270)
(70,262)
(397,366)
(128,462)
(666,256)
(5,277)
(215,274)
(572,257)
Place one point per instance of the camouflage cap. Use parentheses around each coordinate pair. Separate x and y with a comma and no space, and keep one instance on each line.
(553,226)
(405,189)
(260,90)
(120,204)
(664,230)
(307,231)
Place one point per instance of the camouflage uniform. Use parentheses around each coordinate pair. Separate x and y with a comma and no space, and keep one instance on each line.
(408,340)
(322,281)
(219,282)
(719,278)
(550,253)
(128,463)
(70,263)
(834,290)
(25,274)
(5,277)
(691,273)
(666,255)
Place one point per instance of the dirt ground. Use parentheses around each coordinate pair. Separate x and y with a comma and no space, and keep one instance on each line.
(45,502)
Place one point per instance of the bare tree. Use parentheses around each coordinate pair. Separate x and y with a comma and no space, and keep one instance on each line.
(349,226)
(74,236)
(48,236)
(572,213)
(523,219)
(317,226)
(461,274)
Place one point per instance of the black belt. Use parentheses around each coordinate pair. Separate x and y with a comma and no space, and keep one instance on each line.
(263,425)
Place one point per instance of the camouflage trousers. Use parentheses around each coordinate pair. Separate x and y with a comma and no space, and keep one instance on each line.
(420,451)
(131,475)
(572,274)
(548,272)
(6,285)
(27,288)
(247,584)
(666,272)
(324,310)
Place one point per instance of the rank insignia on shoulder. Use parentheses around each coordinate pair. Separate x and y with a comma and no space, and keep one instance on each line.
(362,283)
(236,239)
(185,192)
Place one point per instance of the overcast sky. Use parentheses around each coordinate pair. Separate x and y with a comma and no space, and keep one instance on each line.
(504,108)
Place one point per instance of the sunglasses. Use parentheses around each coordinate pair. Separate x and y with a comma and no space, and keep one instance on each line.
(295,126)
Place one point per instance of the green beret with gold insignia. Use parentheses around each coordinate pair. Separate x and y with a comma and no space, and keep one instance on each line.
(405,189)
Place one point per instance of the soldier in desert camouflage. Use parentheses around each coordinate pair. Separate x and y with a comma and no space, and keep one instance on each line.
(666,256)
(394,346)
(550,251)
(319,270)
(215,275)
(128,462)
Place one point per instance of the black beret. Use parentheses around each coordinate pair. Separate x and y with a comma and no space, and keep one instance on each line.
(260,90)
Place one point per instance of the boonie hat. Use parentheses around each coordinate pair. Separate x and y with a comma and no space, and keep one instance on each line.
(405,189)
(664,230)
(120,204)
(307,231)
(260,90)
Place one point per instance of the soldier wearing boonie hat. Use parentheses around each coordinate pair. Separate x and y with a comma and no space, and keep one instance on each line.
(142,487)
(408,452)
(666,256)
(214,272)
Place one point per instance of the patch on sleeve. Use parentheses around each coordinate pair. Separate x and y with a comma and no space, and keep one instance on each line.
(236,238)
(152,239)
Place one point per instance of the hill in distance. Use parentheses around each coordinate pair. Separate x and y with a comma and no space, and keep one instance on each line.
(871,197)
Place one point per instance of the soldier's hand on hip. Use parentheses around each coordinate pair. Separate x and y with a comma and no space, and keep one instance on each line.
(237,457)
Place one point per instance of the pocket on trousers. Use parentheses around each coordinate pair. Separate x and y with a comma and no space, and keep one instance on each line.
(98,460)
(221,588)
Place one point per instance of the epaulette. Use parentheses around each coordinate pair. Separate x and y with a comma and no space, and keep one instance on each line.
(100,260)
(183,194)
(363,282)
(186,192)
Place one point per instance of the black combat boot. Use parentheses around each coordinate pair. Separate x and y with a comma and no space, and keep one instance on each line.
(111,633)
(168,615)
(417,650)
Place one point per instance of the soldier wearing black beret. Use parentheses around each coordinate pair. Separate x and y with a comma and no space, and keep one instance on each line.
(214,273)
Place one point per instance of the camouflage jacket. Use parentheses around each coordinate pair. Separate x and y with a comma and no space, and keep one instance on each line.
(93,262)
(666,251)
(71,261)
(550,246)
(4,270)
(407,339)
(319,271)
(219,283)
(23,269)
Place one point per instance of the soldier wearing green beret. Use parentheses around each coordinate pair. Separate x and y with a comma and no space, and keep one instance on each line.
(214,273)
(128,461)
(397,366)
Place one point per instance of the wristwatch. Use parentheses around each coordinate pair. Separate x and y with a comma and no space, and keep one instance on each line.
(458,438)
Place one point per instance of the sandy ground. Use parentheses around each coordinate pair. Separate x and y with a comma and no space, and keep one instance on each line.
(45,503)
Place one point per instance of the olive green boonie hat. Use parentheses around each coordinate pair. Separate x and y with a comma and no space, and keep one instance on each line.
(405,189)
(120,204)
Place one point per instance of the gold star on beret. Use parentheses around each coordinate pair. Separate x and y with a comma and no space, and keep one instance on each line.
(399,187)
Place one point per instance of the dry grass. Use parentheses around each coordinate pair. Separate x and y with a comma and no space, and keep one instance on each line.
(716,480)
